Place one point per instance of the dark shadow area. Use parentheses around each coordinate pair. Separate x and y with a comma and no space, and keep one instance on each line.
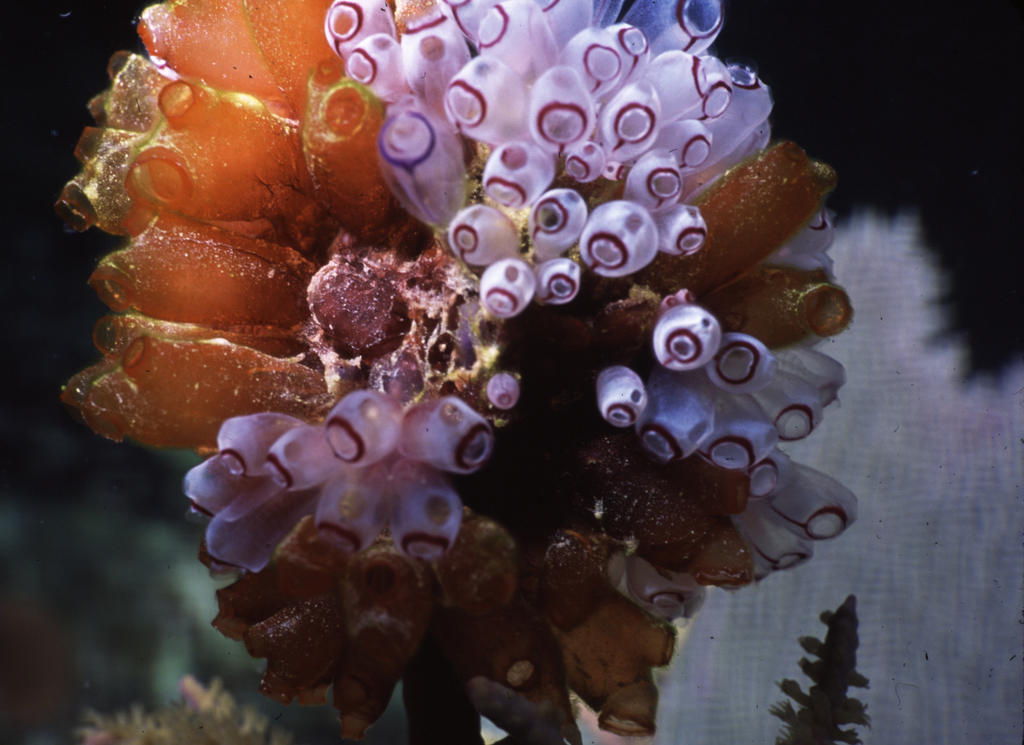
(917,105)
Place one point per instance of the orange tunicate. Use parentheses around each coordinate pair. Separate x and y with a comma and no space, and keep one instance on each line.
(172,392)
(782,305)
(293,54)
(210,41)
(112,333)
(181,270)
(750,212)
(339,142)
(221,157)
(131,101)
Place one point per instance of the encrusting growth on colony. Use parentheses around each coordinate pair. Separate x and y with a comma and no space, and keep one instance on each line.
(491,318)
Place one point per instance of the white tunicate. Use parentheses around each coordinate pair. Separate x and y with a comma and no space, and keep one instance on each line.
(688,140)
(302,458)
(681,230)
(486,100)
(663,593)
(481,235)
(686,337)
(353,507)
(817,368)
(620,238)
(349,22)
(813,504)
(561,111)
(506,287)
(585,161)
(517,173)
(775,545)
(422,162)
(517,33)
(377,63)
(558,280)
(432,53)
(634,48)
(768,473)
(448,434)
(808,249)
(621,395)
(654,181)
(248,438)
(678,78)
(715,165)
(690,25)
(595,55)
(556,221)
(426,511)
(628,123)
(743,433)
(467,14)
(716,87)
(679,415)
(566,18)
(792,403)
(742,364)
(503,390)
(215,483)
(363,427)
(245,533)
(749,108)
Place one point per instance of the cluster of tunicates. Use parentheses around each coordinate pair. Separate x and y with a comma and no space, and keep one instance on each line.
(640,99)
(728,399)
(639,102)
(369,465)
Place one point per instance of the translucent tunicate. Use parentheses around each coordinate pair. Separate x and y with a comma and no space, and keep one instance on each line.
(506,287)
(363,428)
(621,395)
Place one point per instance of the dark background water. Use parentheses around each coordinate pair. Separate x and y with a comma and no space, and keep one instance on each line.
(917,104)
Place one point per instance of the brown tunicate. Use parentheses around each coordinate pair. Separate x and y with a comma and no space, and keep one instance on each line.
(635,499)
(511,645)
(358,309)
(252,598)
(723,559)
(721,491)
(478,573)
(613,651)
(750,212)
(305,563)
(631,711)
(781,305)
(386,598)
(624,326)
(301,642)
(574,577)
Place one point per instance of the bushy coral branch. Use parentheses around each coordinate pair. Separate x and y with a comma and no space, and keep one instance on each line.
(826,706)
(205,716)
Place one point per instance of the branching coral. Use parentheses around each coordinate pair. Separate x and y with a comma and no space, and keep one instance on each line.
(401,270)
(826,706)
